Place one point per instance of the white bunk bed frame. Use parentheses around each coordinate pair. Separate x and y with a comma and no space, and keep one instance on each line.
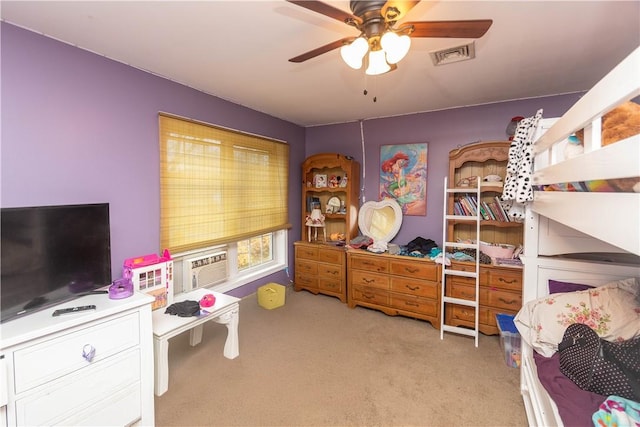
(578,222)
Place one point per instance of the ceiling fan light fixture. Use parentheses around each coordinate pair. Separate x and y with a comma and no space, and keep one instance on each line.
(353,54)
(377,63)
(396,47)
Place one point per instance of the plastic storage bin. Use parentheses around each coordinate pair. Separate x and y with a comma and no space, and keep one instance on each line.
(271,296)
(509,339)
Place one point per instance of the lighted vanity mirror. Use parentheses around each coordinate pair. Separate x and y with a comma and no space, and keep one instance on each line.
(380,220)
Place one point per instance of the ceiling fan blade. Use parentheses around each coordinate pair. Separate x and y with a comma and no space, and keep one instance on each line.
(327,10)
(394,10)
(322,49)
(455,29)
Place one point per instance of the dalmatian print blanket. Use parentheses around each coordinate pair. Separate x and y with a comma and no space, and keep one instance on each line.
(517,184)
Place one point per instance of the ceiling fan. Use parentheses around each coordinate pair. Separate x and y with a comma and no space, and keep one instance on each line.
(385,41)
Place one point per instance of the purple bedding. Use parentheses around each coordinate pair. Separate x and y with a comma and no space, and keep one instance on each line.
(575,406)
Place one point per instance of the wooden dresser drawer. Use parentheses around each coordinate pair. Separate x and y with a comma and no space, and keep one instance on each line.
(421,288)
(379,265)
(465,266)
(372,280)
(371,295)
(463,290)
(416,270)
(331,285)
(506,279)
(331,256)
(330,271)
(414,304)
(51,359)
(488,297)
(307,280)
(466,315)
(306,268)
(501,299)
(307,252)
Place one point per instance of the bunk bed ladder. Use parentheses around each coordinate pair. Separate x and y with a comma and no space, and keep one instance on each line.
(445,298)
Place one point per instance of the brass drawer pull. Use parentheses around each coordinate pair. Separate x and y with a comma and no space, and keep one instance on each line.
(412,288)
(509,282)
(411,270)
(368,281)
(507,302)
(411,303)
(368,296)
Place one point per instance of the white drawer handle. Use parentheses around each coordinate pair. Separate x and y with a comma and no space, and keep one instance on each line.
(88,352)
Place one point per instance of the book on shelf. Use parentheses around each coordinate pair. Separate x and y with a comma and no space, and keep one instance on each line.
(483,212)
(503,213)
(468,205)
(493,205)
(489,211)
(457,210)
(460,209)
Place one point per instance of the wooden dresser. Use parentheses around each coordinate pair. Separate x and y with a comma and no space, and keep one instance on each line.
(395,285)
(320,269)
(500,292)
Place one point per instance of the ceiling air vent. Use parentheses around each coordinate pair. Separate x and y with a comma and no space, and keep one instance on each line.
(453,54)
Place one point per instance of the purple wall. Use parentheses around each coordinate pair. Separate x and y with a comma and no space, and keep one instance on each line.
(80,128)
(443,131)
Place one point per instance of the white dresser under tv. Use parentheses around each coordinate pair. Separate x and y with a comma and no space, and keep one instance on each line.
(89,368)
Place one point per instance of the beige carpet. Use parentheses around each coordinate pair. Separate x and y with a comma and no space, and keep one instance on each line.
(316,362)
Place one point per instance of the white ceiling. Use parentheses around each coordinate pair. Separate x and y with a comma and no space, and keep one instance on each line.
(239,51)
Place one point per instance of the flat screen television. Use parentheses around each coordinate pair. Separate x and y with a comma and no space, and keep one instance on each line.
(52,254)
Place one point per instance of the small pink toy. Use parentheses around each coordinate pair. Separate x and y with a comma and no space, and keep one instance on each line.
(208,300)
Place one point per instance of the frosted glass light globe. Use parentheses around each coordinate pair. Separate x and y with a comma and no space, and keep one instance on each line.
(396,47)
(353,54)
(377,63)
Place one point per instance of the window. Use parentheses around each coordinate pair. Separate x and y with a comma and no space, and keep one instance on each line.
(255,251)
(222,187)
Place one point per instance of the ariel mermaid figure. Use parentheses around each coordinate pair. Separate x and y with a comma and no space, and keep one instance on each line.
(395,166)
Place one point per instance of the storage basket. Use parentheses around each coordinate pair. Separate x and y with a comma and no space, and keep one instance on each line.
(497,250)
(271,296)
(509,339)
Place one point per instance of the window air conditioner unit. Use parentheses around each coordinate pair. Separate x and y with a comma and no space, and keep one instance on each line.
(204,270)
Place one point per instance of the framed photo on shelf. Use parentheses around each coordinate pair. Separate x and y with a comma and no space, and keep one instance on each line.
(403,176)
(320,181)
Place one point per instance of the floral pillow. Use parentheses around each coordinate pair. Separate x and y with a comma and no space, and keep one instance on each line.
(612,310)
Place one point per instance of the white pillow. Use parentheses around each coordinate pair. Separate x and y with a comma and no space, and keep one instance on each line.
(612,310)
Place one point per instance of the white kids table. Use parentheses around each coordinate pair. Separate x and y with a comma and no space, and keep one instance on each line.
(226,311)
